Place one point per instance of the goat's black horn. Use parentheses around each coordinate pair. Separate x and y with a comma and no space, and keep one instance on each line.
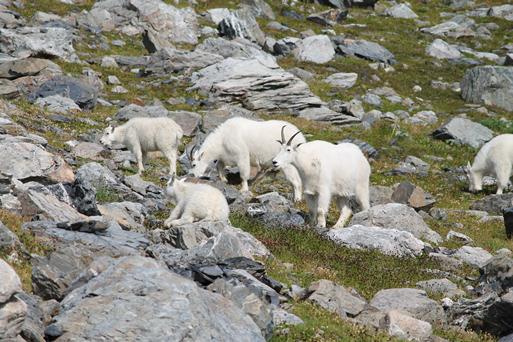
(292,137)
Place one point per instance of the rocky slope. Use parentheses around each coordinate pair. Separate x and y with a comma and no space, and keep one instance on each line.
(418,86)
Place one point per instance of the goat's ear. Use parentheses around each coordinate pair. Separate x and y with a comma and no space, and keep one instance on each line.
(468,165)
(279,142)
(171,180)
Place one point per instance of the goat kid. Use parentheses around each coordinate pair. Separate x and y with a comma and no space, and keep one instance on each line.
(143,135)
(195,202)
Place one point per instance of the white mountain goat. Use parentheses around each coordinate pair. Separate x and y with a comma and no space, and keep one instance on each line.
(495,159)
(244,143)
(143,135)
(195,202)
(328,170)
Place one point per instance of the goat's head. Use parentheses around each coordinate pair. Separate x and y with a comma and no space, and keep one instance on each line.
(200,162)
(287,150)
(474,182)
(174,186)
(107,138)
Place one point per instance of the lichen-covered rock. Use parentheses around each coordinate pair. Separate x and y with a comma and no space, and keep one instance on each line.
(464,131)
(413,301)
(490,85)
(387,241)
(396,216)
(112,306)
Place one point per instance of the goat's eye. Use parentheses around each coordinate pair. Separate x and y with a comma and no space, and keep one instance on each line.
(215,161)
(288,150)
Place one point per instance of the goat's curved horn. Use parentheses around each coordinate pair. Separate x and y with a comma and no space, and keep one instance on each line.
(283,134)
(191,152)
(292,137)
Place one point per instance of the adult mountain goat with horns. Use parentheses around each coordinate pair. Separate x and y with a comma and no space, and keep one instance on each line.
(244,143)
(327,170)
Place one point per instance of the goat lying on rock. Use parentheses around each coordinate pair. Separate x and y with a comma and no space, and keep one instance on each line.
(328,170)
(495,159)
(195,202)
(143,135)
(244,143)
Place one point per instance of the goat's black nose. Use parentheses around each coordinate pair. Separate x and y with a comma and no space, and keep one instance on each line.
(275,163)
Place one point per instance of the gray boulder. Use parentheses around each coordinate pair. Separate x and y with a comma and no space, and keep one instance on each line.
(412,165)
(12,310)
(241,24)
(29,161)
(247,301)
(212,240)
(329,17)
(215,117)
(336,298)
(241,81)
(129,215)
(402,11)
(259,8)
(365,49)
(24,67)
(282,317)
(114,295)
(8,240)
(443,287)
(58,104)
(414,196)
(493,204)
(413,301)
(473,256)
(489,85)
(397,323)
(387,241)
(169,60)
(236,48)
(464,131)
(36,41)
(316,49)
(442,50)
(113,241)
(342,80)
(82,94)
(396,216)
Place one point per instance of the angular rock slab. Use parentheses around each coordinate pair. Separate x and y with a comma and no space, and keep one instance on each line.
(27,160)
(400,325)
(397,216)
(387,241)
(36,41)
(490,85)
(413,301)
(336,298)
(136,293)
(464,131)
(254,85)
(316,49)
(367,50)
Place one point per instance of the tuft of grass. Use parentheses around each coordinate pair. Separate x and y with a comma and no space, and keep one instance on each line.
(105,195)
(21,261)
(322,325)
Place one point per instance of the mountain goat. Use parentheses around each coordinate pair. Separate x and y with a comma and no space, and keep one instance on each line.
(195,202)
(495,158)
(143,135)
(328,170)
(245,143)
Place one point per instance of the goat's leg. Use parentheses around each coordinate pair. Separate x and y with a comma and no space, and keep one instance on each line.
(220,171)
(292,175)
(323,205)
(175,213)
(311,203)
(245,172)
(345,211)
(503,174)
(171,157)
(139,158)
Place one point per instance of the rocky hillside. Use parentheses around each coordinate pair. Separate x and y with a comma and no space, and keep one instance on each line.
(418,86)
